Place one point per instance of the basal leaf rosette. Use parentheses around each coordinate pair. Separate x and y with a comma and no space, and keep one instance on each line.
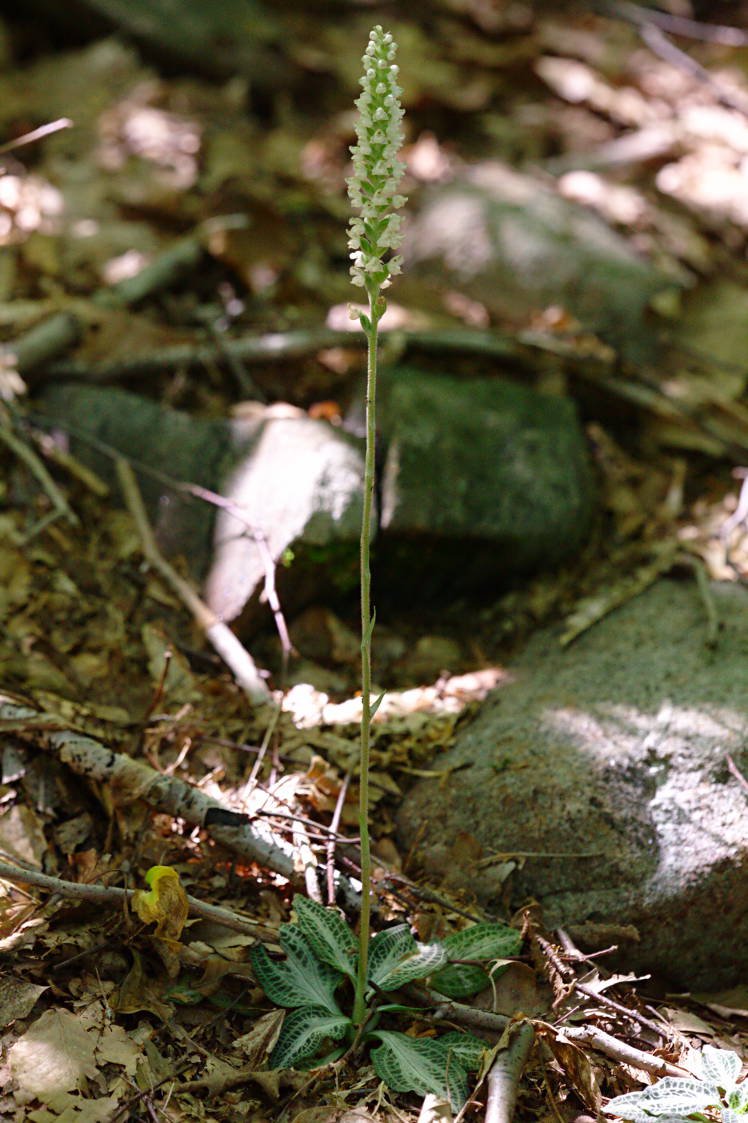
(377,171)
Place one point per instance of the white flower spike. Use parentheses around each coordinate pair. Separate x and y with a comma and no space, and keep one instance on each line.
(377,171)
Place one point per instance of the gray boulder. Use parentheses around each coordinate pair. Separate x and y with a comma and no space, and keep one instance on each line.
(514,244)
(481,478)
(163,444)
(283,479)
(599,776)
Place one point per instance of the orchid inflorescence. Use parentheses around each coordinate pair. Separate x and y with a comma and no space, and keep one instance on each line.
(377,171)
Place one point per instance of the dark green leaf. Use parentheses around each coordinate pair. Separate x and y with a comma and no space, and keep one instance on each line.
(303,1034)
(330,937)
(421,1065)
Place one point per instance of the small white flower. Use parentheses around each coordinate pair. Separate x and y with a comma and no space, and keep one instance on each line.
(377,171)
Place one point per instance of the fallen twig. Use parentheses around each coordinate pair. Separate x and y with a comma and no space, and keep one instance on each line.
(334,824)
(733,768)
(114,894)
(618,1050)
(233,653)
(504,1075)
(131,779)
(441,1010)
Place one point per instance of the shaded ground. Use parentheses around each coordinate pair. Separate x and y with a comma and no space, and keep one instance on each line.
(249,175)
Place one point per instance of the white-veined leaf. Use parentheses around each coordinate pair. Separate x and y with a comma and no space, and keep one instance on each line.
(737,1098)
(421,1065)
(480,941)
(468,1048)
(327,932)
(304,1032)
(396,959)
(460,980)
(720,1067)
(483,941)
(299,980)
(386,949)
(644,1117)
(670,1096)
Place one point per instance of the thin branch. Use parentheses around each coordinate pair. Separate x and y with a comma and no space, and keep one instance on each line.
(661,46)
(131,779)
(441,1010)
(678,25)
(36,134)
(571,949)
(733,768)
(25,453)
(224,641)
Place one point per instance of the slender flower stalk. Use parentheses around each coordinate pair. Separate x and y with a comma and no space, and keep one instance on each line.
(373,235)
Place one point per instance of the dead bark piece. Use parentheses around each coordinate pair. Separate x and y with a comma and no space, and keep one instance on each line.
(504,1075)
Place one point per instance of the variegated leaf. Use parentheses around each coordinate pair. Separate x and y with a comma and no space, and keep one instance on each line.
(303,1034)
(670,1096)
(460,980)
(396,959)
(484,942)
(421,1065)
(720,1067)
(331,938)
(387,949)
(468,1048)
(299,980)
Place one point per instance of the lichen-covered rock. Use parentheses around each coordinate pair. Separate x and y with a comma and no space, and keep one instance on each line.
(600,774)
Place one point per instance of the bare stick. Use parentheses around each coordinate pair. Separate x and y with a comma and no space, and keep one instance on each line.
(113,894)
(618,1050)
(334,824)
(224,641)
(732,766)
(456,1011)
(504,1075)
(36,134)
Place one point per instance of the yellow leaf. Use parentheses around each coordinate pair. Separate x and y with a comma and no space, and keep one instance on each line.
(165,906)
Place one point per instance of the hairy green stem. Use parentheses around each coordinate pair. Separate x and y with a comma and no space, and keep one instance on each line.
(367,627)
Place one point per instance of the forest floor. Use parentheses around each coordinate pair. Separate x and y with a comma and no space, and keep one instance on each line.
(102,664)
